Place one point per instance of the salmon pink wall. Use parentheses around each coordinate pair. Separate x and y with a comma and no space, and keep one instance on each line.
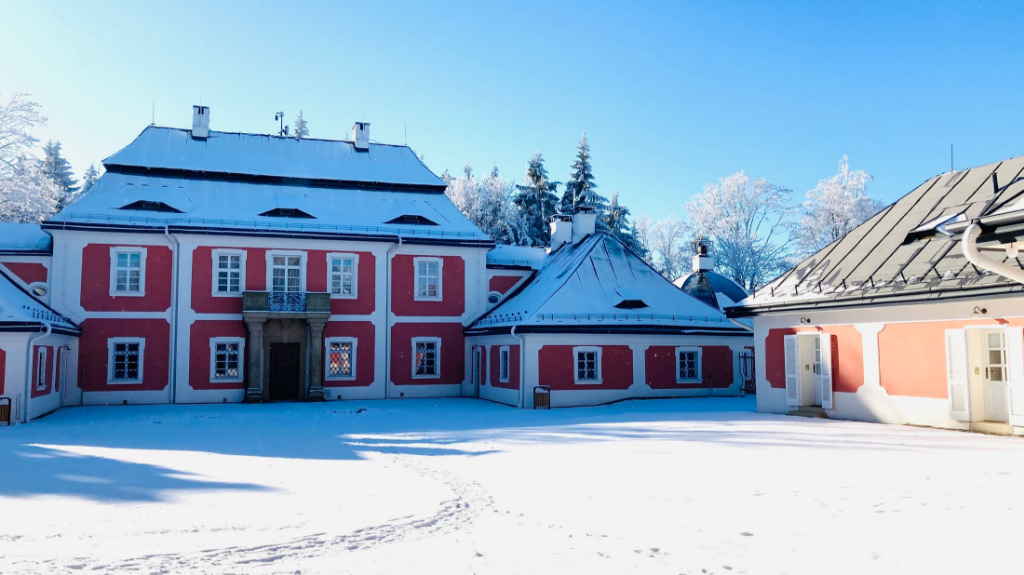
(453,288)
(502,284)
(716,367)
(28,272)
(201,333)
(557,366)
(93,352)
(513,368)
(95,295)
(363,332)
(452,352)
(36,392)
(847,356)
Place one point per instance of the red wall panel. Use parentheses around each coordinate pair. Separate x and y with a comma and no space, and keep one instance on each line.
(95,295)
(3,370)
(364,332)
(36,392)
(203,300)
(28,272)
(93,352)
(513,368)
(847,357)
(199,352)
(557,367)
(774,354)
(452,352)
(365,302)
(502,284)
(453,288)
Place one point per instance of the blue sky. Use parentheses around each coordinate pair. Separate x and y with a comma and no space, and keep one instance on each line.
(672,95)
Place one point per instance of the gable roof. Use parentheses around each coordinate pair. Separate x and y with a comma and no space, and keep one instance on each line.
(908,252)
(580,285)
(21,312)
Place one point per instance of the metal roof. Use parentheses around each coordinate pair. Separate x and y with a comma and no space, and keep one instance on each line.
(27,238)
(21,312)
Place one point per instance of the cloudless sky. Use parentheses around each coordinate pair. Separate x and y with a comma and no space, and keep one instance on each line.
(672,95)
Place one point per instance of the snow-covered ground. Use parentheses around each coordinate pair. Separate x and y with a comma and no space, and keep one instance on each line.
(463,486)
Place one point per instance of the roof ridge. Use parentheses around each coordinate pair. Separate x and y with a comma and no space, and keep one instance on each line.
(276,136)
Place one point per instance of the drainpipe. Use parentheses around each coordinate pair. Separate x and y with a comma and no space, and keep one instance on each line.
(974,256)
(522,365)
(174,313)
(28,367)
(741,324)
(387,317)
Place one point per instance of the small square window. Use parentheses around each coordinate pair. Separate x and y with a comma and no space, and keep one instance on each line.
(428,278)
(228,273)
(343,270)
(341,358)
(125,360)
(426,361)
(127,271)
(588,365)
(226,360)
(688,365)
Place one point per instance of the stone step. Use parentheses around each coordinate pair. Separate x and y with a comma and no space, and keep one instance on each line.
(807,411)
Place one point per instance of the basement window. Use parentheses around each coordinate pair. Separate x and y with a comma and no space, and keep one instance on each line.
(413,220)
(287,213)
(150,206)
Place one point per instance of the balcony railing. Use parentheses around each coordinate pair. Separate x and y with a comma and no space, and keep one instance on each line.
(286,302)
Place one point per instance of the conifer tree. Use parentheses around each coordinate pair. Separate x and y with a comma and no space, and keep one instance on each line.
(616,220)
(58,170)
(537,202)
(89,179)
(301,127)
(580,190)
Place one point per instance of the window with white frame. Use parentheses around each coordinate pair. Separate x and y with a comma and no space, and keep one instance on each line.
(688,365)
(588,364)
(41,368)
(228,272)
(426,358)
(287,271)
(124,360)
(226,359)
(127,271)
(342,270)
(428,278)
(503,359)
(341,358)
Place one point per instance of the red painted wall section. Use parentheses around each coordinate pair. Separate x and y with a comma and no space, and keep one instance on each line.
(513,367)
(93,352)
(199,353)
(363,332)
(203,300)
(95,295)
(452,352)
(36,392)
(503,284)
(716,367)
(3,370)
(847,356)
(774,354)
(365,301)
(28,272)
(557,367)
(453,288)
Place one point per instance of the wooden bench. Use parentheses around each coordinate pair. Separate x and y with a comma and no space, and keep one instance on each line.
(5,410)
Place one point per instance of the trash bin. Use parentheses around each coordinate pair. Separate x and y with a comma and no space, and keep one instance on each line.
(5,410)
(542,397)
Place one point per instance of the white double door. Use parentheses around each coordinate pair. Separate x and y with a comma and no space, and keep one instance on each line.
(808,359)
(985,374)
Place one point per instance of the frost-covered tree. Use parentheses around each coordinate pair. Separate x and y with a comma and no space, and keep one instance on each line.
(27,194)
(581,190)
(748,220)
(301,127)
(616,221)
(667,246)
(58,169)
(446,177)
(537,202)
(834,207)
(89,179)
(488,204)
(643,231)
(19,116)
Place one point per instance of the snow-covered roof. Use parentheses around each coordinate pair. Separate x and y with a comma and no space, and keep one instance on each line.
(274,157)
(24,238)
(20,310)
(712,288)
(517,256)
(597,284)
(231,205)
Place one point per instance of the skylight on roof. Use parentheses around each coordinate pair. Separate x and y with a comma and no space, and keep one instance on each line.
(412,219)
(151,206)
(287,213)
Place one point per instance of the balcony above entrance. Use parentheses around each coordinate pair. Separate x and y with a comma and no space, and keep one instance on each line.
(288,304)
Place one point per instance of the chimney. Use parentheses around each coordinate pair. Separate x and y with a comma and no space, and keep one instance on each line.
(361,135)
(561,230)
(201,122)
(584,222)
(702,260)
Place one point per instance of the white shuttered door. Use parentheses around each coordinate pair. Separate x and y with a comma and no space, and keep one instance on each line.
(792,371)
(956,375)
(1015,373)
(825,377)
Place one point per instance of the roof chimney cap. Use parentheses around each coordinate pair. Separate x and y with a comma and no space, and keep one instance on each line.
(702,258)
(201,122)
(361,136)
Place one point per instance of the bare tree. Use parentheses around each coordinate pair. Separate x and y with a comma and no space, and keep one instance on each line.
(667,243)
(18,117)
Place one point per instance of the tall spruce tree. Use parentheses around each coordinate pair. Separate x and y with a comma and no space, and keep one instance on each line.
(301,127)
(616,220)
(58,170)
(580,190)
(537,202)
(89,179)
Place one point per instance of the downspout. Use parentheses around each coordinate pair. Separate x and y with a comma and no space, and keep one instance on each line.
(974,256)
(28,367)
(174,313)
(387,317)
(522,365)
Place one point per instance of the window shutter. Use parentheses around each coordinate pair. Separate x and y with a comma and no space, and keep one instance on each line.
(1015,367)
(792,371)
(956,375)
(825,377)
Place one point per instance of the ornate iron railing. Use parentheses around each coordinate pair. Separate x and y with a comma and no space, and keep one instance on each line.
(286,302)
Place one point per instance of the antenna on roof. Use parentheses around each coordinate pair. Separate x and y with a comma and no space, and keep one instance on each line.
(405,127)
(152,121)
(279,116)
(951,157)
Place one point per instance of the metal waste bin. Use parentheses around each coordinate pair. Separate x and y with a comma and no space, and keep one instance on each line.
(542,397)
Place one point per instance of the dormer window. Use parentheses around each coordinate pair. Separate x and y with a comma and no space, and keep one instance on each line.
(412,219)
(287,213)
(151,206)
(631,304)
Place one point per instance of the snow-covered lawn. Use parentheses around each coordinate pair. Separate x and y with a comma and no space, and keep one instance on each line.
(463,486)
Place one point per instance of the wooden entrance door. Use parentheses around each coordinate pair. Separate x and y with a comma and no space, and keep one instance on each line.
(283,374)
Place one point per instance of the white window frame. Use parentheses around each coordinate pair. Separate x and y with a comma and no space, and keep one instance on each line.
(576,351)
(114,292)
(213,359)
(111,343)
(215,257)
(504,361)
(416,280)
(355,363)
(285,253)
(437,357)
(355,275)
(41,359)
(690,349)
